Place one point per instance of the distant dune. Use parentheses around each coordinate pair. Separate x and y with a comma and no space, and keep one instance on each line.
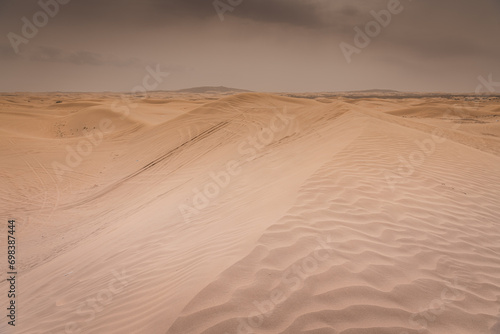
(211,90)
(375,91)
(217,211)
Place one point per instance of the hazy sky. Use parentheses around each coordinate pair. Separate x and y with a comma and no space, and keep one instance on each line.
(262,45)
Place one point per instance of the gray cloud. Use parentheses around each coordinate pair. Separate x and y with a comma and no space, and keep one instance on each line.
(260,41)
(294,12)
(312,13)
(51,54)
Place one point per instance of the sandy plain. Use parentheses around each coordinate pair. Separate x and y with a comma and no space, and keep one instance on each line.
(252,213)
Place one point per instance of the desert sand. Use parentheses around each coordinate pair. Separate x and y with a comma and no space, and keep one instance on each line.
(240,213)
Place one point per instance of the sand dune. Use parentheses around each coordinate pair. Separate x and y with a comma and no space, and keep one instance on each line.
(252,213)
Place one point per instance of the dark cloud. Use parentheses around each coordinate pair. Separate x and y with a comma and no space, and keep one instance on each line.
(51,54)
(260,42)
(293,12)
(314,14)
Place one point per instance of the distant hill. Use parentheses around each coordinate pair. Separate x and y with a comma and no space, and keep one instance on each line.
(212,90)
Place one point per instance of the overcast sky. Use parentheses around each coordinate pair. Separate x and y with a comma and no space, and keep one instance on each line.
(261,45)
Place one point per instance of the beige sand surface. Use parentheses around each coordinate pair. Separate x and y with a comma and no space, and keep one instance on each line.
(331,214)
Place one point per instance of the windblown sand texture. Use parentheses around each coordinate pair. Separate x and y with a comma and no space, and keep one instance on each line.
(350,215)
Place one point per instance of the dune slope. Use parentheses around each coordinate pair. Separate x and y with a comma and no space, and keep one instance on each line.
(252,213)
